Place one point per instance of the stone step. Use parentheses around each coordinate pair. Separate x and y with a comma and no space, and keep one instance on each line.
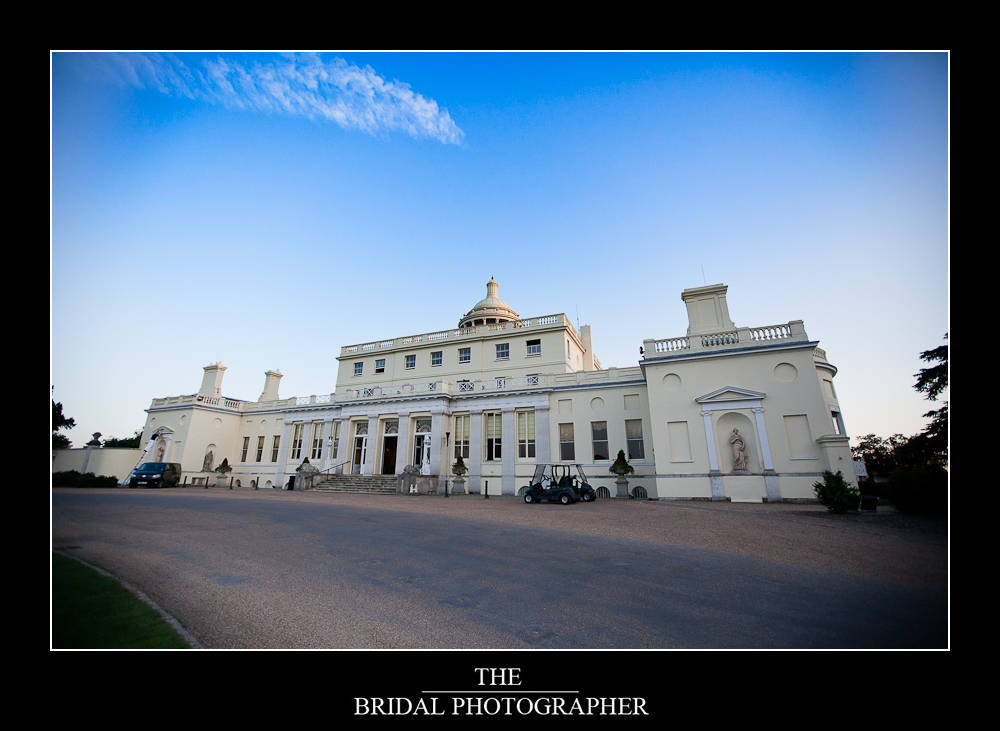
(357,484)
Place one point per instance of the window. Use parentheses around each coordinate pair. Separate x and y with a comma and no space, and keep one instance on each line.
(534,347)
(503,351)
(567,452)
(246,446)
(494,434)
(464,355)
(317,445)
(359,368)
(836,423)
(526,434)
(380,365)
(633,438)
(335,447)
(274,448)
(501,383)
(410,361)
(599,436)
(462,436)
(436,358)
(297,442)
(260,448)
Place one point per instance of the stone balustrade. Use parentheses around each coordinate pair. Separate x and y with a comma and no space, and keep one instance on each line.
(458,334)
(793,331)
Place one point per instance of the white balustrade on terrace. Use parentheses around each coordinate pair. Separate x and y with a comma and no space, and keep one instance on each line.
(792,331)
(459,334)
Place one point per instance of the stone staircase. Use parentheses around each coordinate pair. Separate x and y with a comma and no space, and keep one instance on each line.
(359,484)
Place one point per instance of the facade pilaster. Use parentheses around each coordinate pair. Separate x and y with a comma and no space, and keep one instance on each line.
(509,446)
(279,475)
(714,475)
(772,488)
(369,466)
(475,450)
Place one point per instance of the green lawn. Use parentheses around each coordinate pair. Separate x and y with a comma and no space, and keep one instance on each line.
(91,611)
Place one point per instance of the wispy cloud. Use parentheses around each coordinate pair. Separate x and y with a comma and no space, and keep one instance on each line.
(353,97)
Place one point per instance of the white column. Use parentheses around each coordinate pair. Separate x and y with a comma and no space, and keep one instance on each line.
(328,431)
(715,477)
(369,468)
(765,447)
(713,458)
(772,486)
(508,445)
(402,441)
(475,450)
(279,475)
(437,440)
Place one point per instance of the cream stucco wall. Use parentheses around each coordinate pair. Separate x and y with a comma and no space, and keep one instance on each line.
(772,384)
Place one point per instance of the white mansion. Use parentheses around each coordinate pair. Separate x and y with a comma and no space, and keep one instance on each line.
(723,412)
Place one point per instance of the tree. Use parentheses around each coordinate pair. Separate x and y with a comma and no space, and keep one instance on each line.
(60,421)
(131,442)
(878,453)
(932,443)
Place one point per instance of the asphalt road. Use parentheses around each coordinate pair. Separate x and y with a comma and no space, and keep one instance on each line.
(262,571)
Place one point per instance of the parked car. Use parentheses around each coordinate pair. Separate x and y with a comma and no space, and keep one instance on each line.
(156,474)
(558,486)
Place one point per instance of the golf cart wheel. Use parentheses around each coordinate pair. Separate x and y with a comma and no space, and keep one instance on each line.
(588,497)
(528,498)
(564,499)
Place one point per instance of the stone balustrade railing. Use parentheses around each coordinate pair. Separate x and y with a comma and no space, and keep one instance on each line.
(793,331)
(458,333)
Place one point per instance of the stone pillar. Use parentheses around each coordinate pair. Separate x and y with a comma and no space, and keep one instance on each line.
(437,444)
(403,442)
(475,451)
(772,489)
(714,475)
(369,468)
(509,446)
(338,456)
(279,475)
(328,426)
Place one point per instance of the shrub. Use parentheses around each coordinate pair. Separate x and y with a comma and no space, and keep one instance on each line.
(72,478)
(836,493)
(922,491)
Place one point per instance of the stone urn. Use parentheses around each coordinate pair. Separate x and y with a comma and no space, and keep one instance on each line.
(458,486)
(220,479)
(621,487)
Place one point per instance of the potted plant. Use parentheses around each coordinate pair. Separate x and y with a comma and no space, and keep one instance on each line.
(459,470)
(223,469)
(620,469)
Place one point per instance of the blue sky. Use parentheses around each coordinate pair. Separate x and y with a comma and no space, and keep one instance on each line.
(265,209)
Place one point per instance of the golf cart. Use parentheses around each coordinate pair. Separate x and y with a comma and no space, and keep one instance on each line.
(559,486)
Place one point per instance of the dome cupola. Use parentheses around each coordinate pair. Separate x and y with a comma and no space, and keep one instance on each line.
(489,310)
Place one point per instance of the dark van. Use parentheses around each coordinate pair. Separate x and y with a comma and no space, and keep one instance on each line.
(156,474)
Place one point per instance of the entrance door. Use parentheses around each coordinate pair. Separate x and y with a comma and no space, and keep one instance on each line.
(360,453)
(388,455)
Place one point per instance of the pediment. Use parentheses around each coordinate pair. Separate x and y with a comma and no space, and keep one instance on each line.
(730,393)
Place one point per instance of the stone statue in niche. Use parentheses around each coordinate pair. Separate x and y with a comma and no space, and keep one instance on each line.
(160,449)
(739,451)
(206,466)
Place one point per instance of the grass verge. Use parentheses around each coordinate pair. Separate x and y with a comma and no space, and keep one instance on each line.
(91,611)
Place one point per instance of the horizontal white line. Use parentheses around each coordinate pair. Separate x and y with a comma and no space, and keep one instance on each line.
(509,692)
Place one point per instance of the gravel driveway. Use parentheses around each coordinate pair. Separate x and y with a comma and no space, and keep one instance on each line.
(246,568)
